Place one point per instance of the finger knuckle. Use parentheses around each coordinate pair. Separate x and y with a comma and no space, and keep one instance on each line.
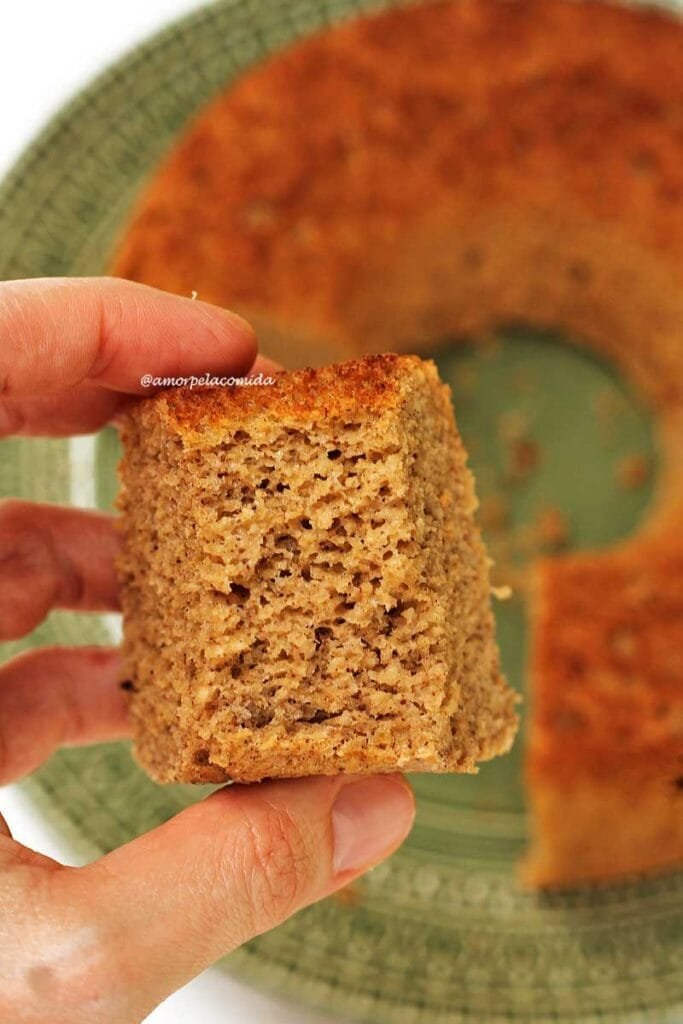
(275,865)
(26,559)
(34,575)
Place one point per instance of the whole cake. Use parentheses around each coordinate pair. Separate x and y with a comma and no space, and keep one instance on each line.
(433,171)
(304,587)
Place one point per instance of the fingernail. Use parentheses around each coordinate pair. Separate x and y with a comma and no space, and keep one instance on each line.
(369,819)
(223,316)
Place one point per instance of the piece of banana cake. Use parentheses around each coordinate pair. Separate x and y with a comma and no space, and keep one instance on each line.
(304,587)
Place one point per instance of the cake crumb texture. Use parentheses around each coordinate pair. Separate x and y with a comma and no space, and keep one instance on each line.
(305,590)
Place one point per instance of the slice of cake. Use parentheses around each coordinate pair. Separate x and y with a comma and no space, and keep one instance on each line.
(304,587)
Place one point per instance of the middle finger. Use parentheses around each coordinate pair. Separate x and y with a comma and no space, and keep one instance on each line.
(53,557)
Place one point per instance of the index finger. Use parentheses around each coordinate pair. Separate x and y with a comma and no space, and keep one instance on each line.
(57,334)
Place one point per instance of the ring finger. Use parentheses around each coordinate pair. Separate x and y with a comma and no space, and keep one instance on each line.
(56,696)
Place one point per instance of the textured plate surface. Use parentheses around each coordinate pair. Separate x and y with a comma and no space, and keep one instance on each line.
(442,932)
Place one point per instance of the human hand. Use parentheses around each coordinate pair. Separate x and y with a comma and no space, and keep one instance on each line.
(105,943)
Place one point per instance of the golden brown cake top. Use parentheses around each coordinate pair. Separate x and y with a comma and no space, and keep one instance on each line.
(609,659)
(356,387)
(289,180)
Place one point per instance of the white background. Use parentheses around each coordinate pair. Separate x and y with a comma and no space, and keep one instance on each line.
(48,50)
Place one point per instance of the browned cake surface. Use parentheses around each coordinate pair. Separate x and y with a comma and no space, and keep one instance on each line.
(607,751)
(406,166)
(432,172)
(304,588)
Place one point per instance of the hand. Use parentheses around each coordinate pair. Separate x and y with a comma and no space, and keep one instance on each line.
(105,943)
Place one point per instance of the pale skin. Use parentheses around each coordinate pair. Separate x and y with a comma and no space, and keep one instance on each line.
(105,943)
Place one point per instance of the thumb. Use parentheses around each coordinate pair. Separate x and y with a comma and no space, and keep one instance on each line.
(175,900)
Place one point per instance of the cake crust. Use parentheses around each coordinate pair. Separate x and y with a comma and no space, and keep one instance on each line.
(564,162)
(605,756)
(373,383)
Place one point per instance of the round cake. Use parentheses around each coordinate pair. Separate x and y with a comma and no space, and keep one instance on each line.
(434,171)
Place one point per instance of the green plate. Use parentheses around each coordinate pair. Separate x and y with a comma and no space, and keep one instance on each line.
(441,933)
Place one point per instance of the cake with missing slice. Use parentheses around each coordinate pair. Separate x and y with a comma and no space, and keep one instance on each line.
(305,590)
